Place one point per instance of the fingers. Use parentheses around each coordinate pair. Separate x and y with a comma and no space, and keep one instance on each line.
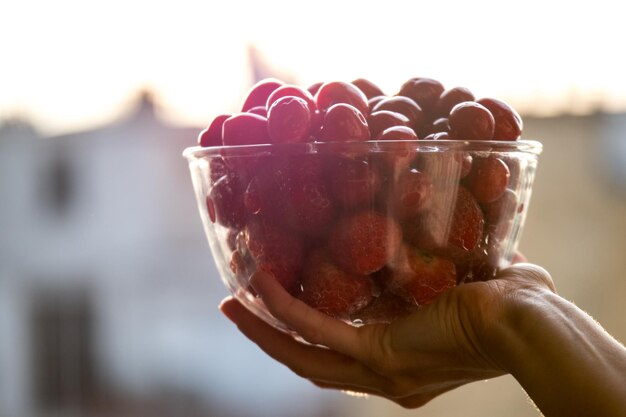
(320,365)
(527,272)
(313,326)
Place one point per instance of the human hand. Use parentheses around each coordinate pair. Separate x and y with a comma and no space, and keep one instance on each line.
(449,343)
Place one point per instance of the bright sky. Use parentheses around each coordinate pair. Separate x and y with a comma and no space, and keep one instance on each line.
(68,64)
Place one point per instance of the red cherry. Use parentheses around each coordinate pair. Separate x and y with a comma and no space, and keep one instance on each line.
(372,102)
(405,106)
(368,88)
(397,133)
(440,125)
(339,92)
(309,207)
(488,179)
(258,94)
(438,136)
(289,120)
(451,98)
(383,119)
(245,129)
(260,110)
(344,123)
(471,121)
(499,215)
(424,91)
(354,182)
(401,155)
(294,91)
(314,87)
(212,135)
(226,202)
(508,123)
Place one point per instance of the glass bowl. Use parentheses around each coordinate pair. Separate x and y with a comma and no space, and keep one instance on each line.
(363,231)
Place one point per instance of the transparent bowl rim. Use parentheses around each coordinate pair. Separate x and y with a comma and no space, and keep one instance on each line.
(529,146)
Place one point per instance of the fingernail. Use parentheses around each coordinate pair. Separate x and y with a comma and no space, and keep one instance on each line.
(224,301)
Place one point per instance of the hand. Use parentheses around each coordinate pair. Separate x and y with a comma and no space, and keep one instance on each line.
(410,361)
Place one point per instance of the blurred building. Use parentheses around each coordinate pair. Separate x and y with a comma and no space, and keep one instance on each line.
(108,292)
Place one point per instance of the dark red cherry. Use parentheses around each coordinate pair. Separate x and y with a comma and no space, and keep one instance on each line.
(314,87)
(508,122)
(258,94)
(245,129)
(383,119)
(343,123)
(438,136)
(294,91)
(424,91)
(372,102)
(488,179)
(405,106)
(354,182)
(397,133)
(471,121)
(289,120)
(451,98)
(335,92)
(212,135)
(369,88)
(260,110)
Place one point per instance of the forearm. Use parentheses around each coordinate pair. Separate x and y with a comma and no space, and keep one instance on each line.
(565,361)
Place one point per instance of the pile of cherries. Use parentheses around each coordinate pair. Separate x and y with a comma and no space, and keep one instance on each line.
(362,236)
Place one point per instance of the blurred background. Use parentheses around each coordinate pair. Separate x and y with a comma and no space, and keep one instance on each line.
(108,291)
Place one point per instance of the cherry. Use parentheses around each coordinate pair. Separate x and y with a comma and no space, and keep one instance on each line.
(258,94)
(260,110)
(440,125)
(245,129)
(339,92)
(212,135)
(400,156)
(344,123)
(488,179)
(397,133)
(314,87)
(372,102)
(289,120)
(451,98)
(294,91)
(508,123)
(383,119)
(499,214)
(471,121)
(354,182)
(225,202)
(424,91)
(368,88)
(405,106)
(438,136)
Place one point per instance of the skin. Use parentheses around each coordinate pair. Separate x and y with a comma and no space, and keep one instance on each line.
(515,323)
